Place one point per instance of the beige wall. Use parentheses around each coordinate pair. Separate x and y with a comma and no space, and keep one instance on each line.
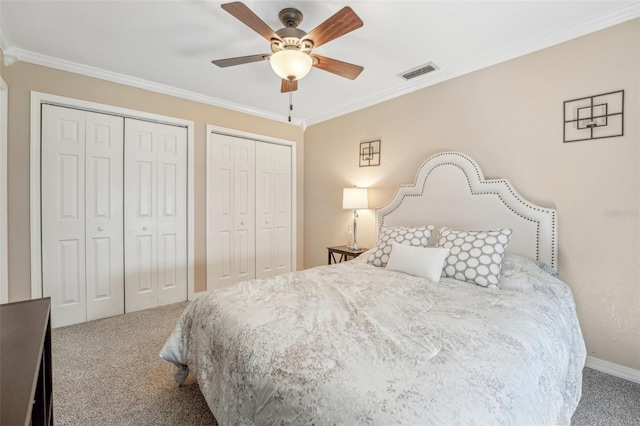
(509,119)
(22,78)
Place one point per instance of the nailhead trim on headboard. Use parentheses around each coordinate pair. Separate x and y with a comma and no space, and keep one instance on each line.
(463,162)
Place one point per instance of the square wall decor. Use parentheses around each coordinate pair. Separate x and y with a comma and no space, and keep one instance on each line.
(594,117)
(370,153)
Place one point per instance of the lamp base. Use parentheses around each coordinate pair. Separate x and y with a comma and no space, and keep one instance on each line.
(354,246)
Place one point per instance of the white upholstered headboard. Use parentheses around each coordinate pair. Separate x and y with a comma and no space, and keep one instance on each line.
(450,190)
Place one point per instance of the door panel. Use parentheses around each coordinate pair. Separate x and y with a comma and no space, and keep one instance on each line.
(282,190)
(63,221)
(168,182)
(244,209)
(104,215)
(167,261)
(101,277)
(144,254)
(144,189)
(69,169)
(231,214)
(220,224)
(172,214)
(264,210)
(155,214)
(273,204)
(70,276)
(140,199)
(226,266)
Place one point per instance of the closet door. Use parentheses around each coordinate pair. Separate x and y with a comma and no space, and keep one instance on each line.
(231,211)
(81,214)
(63,241)
(172,214)
(273,209)
(155,214)
(104,215)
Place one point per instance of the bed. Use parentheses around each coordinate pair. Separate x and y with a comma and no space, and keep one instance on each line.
(355,343)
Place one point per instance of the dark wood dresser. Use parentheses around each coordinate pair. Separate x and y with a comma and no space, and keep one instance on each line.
(26,396)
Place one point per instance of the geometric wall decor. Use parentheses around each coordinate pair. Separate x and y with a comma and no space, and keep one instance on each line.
(594,117)
(370,153)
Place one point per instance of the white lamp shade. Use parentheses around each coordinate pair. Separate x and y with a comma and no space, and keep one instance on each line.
(291,64)
(355,198)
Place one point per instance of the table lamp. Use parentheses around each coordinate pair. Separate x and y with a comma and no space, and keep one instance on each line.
(353,199)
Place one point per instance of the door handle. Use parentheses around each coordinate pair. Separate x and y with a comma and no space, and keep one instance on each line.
(100,228)
(145,228)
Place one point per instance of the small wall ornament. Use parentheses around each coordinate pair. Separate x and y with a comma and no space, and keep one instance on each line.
(594,117)
(369,153)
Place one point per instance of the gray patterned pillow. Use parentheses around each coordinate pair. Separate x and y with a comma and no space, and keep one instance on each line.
(412,236)
(474,256)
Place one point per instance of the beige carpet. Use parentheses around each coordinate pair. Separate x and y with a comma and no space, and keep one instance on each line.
(107,372)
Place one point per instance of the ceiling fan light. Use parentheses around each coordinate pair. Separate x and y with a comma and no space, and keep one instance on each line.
(291,64)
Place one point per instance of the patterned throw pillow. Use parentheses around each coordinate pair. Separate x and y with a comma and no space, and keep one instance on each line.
(474,256)
(412,236)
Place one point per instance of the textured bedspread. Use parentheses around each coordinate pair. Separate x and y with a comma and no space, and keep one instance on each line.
(355,344)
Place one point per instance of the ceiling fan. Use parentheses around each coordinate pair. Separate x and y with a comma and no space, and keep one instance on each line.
(291,47)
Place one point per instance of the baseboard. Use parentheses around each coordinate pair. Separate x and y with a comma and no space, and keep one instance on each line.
(613,369)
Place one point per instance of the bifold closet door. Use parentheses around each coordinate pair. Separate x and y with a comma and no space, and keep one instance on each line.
(82,219)
(155,207)
(231,221)
(273,209)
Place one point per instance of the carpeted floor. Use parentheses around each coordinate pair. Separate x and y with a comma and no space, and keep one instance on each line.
(108,372)
(607,401)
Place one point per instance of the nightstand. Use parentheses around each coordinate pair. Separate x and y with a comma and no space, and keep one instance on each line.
(344,253)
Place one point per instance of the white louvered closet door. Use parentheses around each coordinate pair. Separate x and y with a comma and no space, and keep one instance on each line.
(231,211)
(155,207)
(273,209)
(82,257)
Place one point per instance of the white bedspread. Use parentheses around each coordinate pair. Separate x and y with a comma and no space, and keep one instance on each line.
(355,344)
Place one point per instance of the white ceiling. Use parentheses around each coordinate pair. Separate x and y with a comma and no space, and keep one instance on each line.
(168,46)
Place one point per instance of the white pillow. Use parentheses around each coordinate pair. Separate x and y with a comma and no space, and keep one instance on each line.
(410,235)
(424,262)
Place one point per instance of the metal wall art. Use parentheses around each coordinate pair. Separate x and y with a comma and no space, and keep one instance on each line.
(370,153)
(594,117)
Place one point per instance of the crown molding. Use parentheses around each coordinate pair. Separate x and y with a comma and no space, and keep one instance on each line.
(89,71)
(619,16)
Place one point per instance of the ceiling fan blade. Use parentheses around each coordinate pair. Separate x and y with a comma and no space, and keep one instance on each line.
(250,19)
(288,86)
(341,23)
(343,69)
(229,62)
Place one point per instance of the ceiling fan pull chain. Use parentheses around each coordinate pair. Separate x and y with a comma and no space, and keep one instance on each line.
(290,105)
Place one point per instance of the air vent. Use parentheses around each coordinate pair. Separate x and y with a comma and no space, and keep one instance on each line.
(418,71)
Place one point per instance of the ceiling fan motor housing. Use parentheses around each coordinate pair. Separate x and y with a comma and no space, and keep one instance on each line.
(291,36)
